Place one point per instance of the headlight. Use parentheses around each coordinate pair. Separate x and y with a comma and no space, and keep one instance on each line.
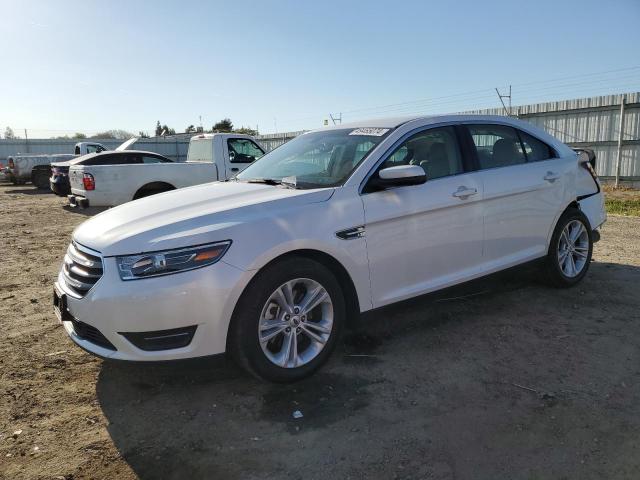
(133,267)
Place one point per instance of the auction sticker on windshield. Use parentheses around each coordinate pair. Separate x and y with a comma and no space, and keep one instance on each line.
(372,132)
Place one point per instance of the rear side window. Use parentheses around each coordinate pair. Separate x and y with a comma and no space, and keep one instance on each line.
(127,159)
(497,146)
(534,149)
(150,159)
(95,148)
(243,150)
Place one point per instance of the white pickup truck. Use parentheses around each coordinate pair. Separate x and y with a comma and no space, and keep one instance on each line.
(35,168)
(211,157)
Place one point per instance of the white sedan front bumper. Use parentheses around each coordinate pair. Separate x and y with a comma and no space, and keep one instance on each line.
(204,298)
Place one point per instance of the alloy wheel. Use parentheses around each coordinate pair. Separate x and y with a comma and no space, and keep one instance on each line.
(296,323)
(573,248)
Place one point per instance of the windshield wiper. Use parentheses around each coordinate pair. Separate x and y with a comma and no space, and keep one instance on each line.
(267,181)
(272,181)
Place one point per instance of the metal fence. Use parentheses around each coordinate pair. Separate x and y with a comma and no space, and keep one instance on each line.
(594,123)
(174,147)
(586,122)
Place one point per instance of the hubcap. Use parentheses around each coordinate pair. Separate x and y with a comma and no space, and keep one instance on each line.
(295,323)
(573,248)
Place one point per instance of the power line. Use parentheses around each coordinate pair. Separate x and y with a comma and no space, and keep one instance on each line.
(392,106)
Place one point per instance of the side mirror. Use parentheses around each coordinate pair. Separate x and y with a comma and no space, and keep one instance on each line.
(401,176)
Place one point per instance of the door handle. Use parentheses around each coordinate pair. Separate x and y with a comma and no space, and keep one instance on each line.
(551,177)
(464,192)
(235,169)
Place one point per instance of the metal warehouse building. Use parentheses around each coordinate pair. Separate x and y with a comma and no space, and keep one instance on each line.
(593,122)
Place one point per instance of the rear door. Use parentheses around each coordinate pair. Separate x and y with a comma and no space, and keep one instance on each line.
(424,237)
(524,184)
(240,153)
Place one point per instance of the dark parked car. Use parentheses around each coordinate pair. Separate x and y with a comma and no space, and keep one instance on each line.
(59,181)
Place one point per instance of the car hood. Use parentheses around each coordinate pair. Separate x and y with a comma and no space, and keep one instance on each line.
(188,216)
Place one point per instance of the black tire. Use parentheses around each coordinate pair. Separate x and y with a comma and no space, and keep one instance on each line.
(243,343)
(40,179)
(553,270)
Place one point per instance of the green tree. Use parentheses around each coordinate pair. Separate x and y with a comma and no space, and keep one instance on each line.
(168,131)
(190,129)
(246,131)
(223,125)
(79,136)
(8,134)
(158,129)
(114,134)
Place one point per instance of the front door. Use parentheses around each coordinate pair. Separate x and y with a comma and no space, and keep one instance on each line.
(424,237)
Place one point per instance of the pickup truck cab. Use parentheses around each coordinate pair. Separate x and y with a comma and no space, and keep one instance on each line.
(35,168)
(211,157)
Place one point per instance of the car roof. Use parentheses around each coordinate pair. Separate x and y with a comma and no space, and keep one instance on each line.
(426,120)
(88,156)
(394,122)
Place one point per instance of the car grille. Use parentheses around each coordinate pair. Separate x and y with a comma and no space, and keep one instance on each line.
(81,269)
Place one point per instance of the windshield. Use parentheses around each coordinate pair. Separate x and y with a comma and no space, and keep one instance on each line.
(316,159)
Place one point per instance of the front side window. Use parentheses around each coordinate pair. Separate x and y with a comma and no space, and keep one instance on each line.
(497,146)
(317,159)
(435,150)
(243,150)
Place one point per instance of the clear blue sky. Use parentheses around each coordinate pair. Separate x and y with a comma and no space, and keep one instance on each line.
(69,66)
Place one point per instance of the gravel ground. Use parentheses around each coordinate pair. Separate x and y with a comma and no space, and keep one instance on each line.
(499,378)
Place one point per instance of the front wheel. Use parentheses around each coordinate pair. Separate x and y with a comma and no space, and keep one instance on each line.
(570,250)
(288,320)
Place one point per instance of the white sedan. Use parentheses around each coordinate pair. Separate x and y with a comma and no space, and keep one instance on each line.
(271,265)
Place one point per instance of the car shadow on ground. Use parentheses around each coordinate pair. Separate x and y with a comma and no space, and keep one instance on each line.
(205,418)
(85,212)
(27,190)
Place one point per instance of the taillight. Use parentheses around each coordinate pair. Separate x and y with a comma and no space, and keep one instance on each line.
(590,169)
(88,182)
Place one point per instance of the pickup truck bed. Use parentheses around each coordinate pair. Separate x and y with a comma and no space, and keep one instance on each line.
(114,186)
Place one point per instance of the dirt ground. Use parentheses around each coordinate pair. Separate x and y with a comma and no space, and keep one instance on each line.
(500,378)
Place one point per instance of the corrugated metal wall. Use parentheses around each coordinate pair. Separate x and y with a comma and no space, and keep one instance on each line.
(174,147)
(590,123)
(585,122)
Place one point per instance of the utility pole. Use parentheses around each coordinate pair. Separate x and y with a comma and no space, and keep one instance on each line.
(26,141)
(620,139)
(500,96)
(336,118)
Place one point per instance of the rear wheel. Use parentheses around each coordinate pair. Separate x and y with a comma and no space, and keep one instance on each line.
(40,179)
(570,250)
(288,320)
